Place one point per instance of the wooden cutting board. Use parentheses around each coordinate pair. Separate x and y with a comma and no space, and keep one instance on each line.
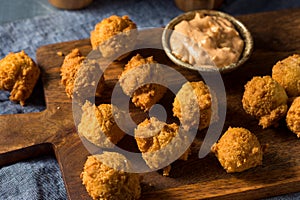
(276,36)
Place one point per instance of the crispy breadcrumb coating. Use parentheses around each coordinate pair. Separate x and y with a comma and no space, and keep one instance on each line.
(161,143)
(136,73)
(104,178)
(18,74)
(69,70)
(183,100)
(238,150)
(293,117)
(98,125)
(72,64)
(137,61)
(114,34)
(109,27)
(287,73)
(165,133)
(265,99)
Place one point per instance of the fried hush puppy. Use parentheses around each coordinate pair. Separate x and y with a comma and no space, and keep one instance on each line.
(287,73)
(293,117)
(238,150)
(114,35)
(69,70)
(104,178)
(184,101)
(72,65)
(161,143)
(98,125)
(18,74)
(265,99)
(138,71)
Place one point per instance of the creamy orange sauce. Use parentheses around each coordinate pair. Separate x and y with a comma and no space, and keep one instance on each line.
(206,39)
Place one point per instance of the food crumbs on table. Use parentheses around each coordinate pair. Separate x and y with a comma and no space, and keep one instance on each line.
(60,53)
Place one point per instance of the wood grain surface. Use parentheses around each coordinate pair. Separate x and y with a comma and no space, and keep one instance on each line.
(276,36)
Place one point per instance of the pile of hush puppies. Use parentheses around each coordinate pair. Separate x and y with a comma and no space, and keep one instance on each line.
(266,98)
(270,99)
(98,122)
(156,140)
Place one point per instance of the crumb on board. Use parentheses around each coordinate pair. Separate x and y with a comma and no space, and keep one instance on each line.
(60,53)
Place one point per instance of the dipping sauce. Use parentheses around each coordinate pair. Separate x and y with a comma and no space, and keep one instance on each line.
(206,40)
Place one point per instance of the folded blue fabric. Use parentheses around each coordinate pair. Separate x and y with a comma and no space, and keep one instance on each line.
(38,178)
(41,178)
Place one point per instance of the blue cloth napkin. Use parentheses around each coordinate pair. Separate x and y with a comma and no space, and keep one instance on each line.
(40,178)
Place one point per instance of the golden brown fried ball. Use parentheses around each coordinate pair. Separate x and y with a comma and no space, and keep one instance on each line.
(161,143)
(98,125)
(293,117)
(72,64)
(114,34)
(265,99)
(18,74)
(137,71)
(69,70)
(104,178)
(184,100)
(238,150)
(287,73)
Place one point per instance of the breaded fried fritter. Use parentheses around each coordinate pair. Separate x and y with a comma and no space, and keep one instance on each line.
(183,100)
(98,125)
(162,134)
(238,150)
(135,74)
(18,74)
(113,35)
(265,99)
(104,177)
(293,117)
(287,73)
(161,143)
(69,72)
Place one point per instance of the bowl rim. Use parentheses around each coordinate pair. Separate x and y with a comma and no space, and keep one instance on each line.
(239,26)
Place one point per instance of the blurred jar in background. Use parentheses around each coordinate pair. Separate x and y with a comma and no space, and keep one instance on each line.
(188,5)
(70,4)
